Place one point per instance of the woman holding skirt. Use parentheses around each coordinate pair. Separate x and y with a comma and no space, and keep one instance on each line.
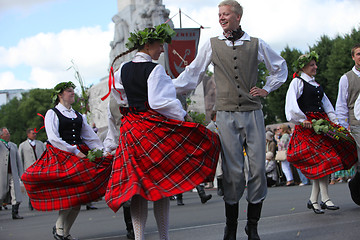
(159,154)
(63,178)
(316,155)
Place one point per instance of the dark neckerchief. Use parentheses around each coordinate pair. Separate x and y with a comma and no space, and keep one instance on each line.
(233,35)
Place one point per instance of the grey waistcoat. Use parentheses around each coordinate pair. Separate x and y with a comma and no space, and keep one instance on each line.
(353,93)
(235,72)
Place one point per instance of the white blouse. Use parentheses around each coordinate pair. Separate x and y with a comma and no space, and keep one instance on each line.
(161,90)
(292,109)
(194,73)
(87,134)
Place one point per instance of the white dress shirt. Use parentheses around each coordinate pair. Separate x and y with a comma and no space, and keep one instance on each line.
(87,134)
(161,90)
(32,142)
(292,109)
(194,73)
(112,135)
(342,110)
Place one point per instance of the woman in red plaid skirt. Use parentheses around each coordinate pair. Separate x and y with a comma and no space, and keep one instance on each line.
(159,155)
(316,155)
(63,178)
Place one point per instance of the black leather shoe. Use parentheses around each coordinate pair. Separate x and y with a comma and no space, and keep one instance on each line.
(324,206)
(69,237)
(130,234)
(230,233)
(90,207)
(311,206)
(205,198)
(57,236)
(251,231)
(16,216)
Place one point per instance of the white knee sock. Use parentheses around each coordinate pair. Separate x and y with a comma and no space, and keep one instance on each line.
(161,213)
(315,192)
(61,220)
(324,190)
(70,219)
(139,212)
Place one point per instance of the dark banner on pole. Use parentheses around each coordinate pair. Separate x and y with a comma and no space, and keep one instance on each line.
(182,50)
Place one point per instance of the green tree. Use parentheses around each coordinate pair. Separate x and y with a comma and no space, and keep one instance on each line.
(10,119)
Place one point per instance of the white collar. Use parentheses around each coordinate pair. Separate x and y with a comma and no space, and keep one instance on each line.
(142,57)
(245,37)
(356,71)
(32,142)
(62,108)
(306,77)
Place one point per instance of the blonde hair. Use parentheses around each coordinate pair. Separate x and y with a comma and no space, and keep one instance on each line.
(285,128)
(235,6)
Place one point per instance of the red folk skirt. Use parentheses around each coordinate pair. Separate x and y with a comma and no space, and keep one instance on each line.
(159,157)
(318,155)
(61,180)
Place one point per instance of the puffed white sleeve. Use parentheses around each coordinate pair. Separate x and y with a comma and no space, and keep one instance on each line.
(357,108)
(162,95)
(119,92)
(89,137)
(292,110)
(341,109)
(275,64)
(328,108)
(110,141)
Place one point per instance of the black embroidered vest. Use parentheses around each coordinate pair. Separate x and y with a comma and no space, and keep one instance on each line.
(69,128)
(134,78)
(310,100)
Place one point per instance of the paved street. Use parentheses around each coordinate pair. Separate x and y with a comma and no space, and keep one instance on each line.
(284,217)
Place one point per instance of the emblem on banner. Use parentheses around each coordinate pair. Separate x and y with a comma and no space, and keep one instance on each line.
(182,50)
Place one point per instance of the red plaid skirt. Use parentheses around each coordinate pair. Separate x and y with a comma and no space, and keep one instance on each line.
(318,155)
(159,157)
(60,180)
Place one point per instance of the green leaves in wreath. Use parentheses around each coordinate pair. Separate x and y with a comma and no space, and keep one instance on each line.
(303,60)
(162,33)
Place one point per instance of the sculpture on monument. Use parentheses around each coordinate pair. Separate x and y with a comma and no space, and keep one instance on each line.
(138,15)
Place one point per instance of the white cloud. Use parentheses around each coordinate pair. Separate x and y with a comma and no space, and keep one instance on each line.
(22,5)
(49,55)
(8,81)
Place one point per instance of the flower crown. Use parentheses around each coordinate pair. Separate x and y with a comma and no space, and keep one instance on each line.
(61,87)
(162,32)
(305,59)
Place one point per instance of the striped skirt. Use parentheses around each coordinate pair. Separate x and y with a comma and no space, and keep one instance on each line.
(61,180)
(318,155)
(159,157)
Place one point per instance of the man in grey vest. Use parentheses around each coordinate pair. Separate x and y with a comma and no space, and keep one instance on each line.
(349,90)
(11,170)
(30,150)
(235,56)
